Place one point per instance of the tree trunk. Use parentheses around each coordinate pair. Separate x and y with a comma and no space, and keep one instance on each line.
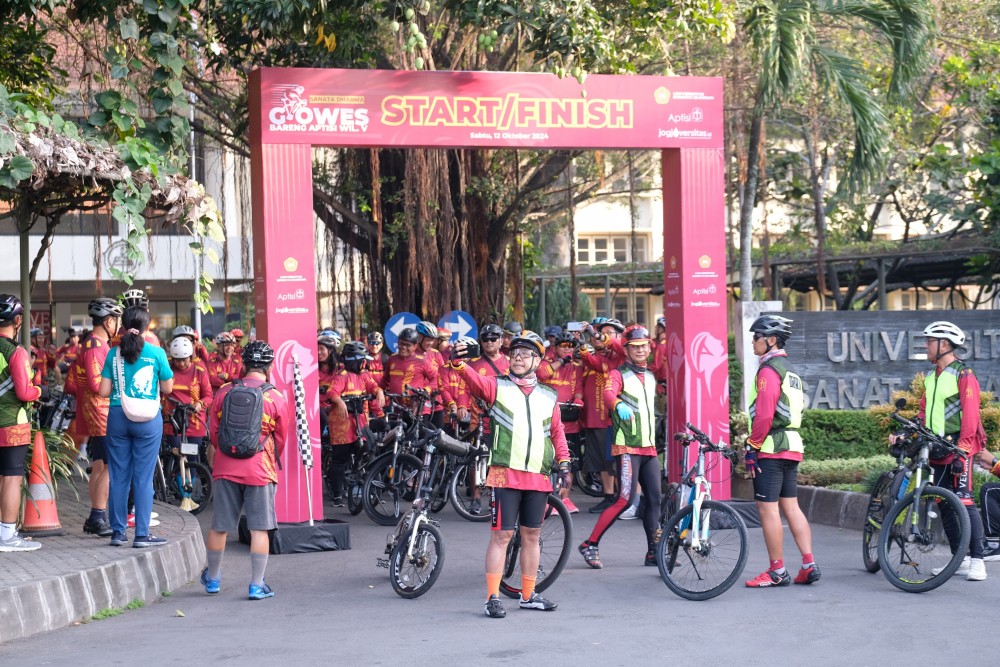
(749,202)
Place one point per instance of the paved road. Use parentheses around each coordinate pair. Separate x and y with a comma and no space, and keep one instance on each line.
(339,606)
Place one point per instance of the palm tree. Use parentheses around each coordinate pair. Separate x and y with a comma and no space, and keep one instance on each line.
(790,41)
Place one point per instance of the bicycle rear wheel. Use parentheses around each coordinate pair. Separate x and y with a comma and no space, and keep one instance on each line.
(197,487)
(413,576)
(554,544)
(590,483)
(458,487)
(913,548)
(878,505)
(387,487)
(709,569)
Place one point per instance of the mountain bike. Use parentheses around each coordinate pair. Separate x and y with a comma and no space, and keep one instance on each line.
(554,540)
(373,439)
(467,485)
(416,547)
(889,487)
(925,534)
(703,548)
(179,479)
(589,482)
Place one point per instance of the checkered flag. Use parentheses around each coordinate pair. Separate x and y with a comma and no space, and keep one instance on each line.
(301,421)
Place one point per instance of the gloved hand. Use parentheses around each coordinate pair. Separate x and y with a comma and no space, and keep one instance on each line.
(586,348)
(567,360)
(750,461)
(623,411)
(565,474)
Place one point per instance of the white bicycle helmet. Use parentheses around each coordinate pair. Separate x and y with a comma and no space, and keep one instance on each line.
(184,330)
(947,331)
(181,348)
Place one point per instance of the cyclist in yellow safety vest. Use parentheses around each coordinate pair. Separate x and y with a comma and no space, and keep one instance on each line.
(774,451)
(528,437)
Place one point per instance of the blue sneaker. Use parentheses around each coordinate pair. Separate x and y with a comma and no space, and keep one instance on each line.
(148,541)
(260,592)
(118,539)
(211,585)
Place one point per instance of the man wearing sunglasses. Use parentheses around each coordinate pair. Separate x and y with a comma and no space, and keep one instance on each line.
(527,438)
(774,451)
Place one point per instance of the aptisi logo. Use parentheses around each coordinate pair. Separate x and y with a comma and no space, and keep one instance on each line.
(696,115)
(294,111)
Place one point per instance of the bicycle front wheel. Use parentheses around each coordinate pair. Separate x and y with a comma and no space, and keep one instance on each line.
(921,544)
(412,576)
(464,495)
(194,492)
(554,540)
(878,505)
(709,567)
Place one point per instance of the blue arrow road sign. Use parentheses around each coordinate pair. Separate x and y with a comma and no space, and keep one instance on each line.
(395,325)
(460,323)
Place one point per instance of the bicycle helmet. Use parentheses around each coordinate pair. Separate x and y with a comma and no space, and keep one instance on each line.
(552,330)
(772,325)
(10,307)
(181,348)
(444,334)
(426,329)
(661,321)
(598,321)
(513,328)
(102,307)
(355,351)
(330,333)
(528,340)
(636,335)
(35,331)
(328,341)
(238,333)
(472,349)
(946,331)
(257,354)
(135,297)
(491,332)
(184,330)
(409,335)
(566,338)
(375,338)
(616,323)
(225,338)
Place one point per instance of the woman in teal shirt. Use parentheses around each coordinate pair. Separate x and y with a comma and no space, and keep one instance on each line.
(133,447)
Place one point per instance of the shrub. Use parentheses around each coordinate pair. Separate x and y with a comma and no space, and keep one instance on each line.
(835,434)
(843,471)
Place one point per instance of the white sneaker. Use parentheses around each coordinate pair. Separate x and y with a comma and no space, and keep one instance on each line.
(628,514)
(991,555)
(977,570)
(963,569)
(18,543)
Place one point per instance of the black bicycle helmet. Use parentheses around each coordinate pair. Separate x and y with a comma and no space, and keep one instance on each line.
(102,307)
(529,340)
(552,330)
(354,351)
(375,338)
(614,322)
(491,331)
(35,331)
(10,307)
(772,325)
(427,329)
(513,328)
(409,335)
(135,297)
(257,354)
(567,338)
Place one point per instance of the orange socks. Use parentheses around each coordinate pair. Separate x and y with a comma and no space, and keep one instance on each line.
(527,587)
(493,584)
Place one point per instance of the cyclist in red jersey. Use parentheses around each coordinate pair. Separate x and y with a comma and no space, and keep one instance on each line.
(564,373)
(407,368)
(67,353)
(349,380)
(524,449)
(375,344)
(427,346)
(510,329)
(551,334)
(192,387)
(225,365)
(106,316)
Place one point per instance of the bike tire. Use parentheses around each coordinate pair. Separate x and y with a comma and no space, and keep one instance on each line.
(457,485)
(878,504)
(439,494)
(671,502)
(705,574)
(383,498)
(201,493)
(590,483)
(909,564)
(411,579)
(556,540)
(159,483)
(355,505)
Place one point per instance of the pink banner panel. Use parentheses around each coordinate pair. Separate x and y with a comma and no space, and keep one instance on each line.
(285,302)
(407,109)
(694,277)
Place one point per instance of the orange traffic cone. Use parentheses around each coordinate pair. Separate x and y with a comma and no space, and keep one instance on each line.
(40,515)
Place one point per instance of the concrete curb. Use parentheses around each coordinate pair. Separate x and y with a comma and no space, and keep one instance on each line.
(58,601)
(840,509)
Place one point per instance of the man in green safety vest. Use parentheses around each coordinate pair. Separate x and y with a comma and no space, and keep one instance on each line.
(528,437)
(774,451)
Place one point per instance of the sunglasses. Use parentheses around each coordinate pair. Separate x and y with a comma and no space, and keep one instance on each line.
(757,337)
(490,339)
(521,353)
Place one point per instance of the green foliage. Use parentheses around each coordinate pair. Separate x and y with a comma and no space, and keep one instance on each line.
(842,471)
(109,612)
(835,434)
(135,604)
(558,299)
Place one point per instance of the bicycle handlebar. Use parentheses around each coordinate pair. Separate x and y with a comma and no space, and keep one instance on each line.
(917,427)
(705,442)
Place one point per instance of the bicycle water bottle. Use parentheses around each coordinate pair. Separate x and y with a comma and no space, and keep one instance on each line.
(905,485)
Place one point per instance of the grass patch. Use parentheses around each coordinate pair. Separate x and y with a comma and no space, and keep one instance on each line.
(135,604)
(110,612)
(166,594)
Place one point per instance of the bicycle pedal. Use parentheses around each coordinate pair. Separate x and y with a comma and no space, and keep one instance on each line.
(382,562)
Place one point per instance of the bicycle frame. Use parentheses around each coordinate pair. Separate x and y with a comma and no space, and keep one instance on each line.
(701,490)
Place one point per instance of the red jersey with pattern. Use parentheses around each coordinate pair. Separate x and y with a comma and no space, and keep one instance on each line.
(615,384)
(596,368)
(221,370)
(75,379)
(376,366)
(260,469)
(452,386)
(485,367)
(40,367)
(660,365)
(16,435)
(68,353)
(567,380)
(93,407)
(324,378)
(485,388)
(414,371)
(201,352)
(435,359)
(190,386)
(344,384)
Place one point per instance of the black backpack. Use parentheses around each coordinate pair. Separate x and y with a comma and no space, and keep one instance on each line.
(240,423)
